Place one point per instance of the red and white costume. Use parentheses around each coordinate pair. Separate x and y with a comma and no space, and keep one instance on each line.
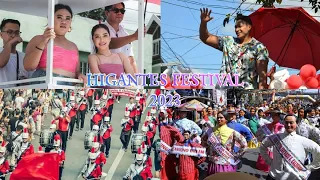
(92,170)
(4,164)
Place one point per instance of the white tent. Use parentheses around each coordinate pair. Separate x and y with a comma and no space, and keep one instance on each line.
(45,8)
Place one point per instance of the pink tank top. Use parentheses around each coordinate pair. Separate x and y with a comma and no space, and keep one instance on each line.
(108,68)
(62,59)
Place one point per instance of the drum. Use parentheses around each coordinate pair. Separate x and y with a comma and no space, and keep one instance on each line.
(136,142)
(88,139)
(46,138)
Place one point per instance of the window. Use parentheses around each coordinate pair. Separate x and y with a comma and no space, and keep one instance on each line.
(156,47)
(84,68)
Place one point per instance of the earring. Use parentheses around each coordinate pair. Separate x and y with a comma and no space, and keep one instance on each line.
(70,29)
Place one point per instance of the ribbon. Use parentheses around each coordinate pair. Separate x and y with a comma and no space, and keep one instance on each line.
(288,155)
(222,151)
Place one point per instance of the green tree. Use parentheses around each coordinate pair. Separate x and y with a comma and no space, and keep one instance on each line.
(96,14)
(269,3)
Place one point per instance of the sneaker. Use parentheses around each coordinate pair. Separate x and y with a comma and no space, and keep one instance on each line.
(81,129)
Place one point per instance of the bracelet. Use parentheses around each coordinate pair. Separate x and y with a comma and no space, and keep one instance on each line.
(39,48)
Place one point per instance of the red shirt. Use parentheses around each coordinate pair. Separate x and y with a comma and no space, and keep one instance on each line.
(28,151)
(63,124)
(128,125)
(101,158)
(4,167)
(72,112)
(142,100)
(96,172)
(90,92)
(189,164)
(146,173)
(107,133)
(82,107)
(138,112)
(110,101)
(96,118)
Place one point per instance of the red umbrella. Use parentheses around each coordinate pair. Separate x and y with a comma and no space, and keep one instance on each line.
(291,36)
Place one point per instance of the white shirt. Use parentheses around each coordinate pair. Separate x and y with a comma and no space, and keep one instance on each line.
(263,121)
(9,71)
(127,49)
(299,146)
(19,101)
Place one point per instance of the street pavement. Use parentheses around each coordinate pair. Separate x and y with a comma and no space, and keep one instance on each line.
(118,161)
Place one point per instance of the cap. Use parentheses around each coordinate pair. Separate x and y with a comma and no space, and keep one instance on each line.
(72,98)
(97,101)
(106,119)
(95,127)
(56,141)
(92,154)
(127,112)
(25,133)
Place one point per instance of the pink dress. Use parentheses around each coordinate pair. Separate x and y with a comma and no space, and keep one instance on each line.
(277,128)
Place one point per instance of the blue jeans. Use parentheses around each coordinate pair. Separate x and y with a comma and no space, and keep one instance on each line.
(41,73)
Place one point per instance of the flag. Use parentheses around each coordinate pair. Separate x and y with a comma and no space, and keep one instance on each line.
(37,166)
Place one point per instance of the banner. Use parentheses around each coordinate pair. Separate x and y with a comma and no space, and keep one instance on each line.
(222,151)
(123,92)
(285,152)
(164,147)
(189,151)
(39,166)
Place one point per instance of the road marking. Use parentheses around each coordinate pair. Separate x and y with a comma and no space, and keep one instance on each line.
(115,164)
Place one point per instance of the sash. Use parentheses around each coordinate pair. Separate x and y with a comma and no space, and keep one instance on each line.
(222,151)
(97,154)
(104,130)
(90,169)
(189,151)
(288,155)
(22,152)
(164,147)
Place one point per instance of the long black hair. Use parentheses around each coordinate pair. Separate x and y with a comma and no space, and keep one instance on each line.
(58,7)
(94,30)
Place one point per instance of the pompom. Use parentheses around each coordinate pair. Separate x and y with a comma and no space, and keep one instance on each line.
(294,82)
(92,150)
(307,71)
(56,137)
(95,139)
(40,148)
(139,151)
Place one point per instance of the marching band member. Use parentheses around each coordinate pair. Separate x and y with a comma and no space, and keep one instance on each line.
(105,96)
(146,158)
(132,108)
(4,163)
(92,170)
(82,103)
(138,169)
(100,157)
(53,128)
(150,133)
(110,102)
(154,118)
(187,165)
(105,132)
(62,157)
(63,127)
(137,119)
(90,93)
(275,127)
(289,152)
(127,124)
(98,116)
(142,101)
(168,135)
(225,137)
(72,114)
(24,148)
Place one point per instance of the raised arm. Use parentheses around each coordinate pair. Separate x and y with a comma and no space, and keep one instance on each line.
(262,67)
(122,41)
(5,54)
(35,49)
(205,36)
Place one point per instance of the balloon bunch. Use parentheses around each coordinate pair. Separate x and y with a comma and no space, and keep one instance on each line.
(307,78)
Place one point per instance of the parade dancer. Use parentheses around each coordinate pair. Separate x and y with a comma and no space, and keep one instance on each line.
(187,165)
(63,127)
(92,170)
(100,157)
(24,148)
(126,124)
(138,170)
(82,108)
(4,163)
(289,151)
(72,114)
(105,133)
(62,157)
(220,159)
(168,135)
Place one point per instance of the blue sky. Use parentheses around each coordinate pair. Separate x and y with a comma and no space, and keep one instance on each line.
(181,18)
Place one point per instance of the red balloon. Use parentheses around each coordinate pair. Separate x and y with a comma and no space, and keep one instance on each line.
(294,82)
(312,83)
(307,71)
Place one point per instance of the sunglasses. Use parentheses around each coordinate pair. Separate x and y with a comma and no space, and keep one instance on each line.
(116,10)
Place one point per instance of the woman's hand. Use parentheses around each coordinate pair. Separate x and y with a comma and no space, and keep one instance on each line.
(83,78)
(47,35)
